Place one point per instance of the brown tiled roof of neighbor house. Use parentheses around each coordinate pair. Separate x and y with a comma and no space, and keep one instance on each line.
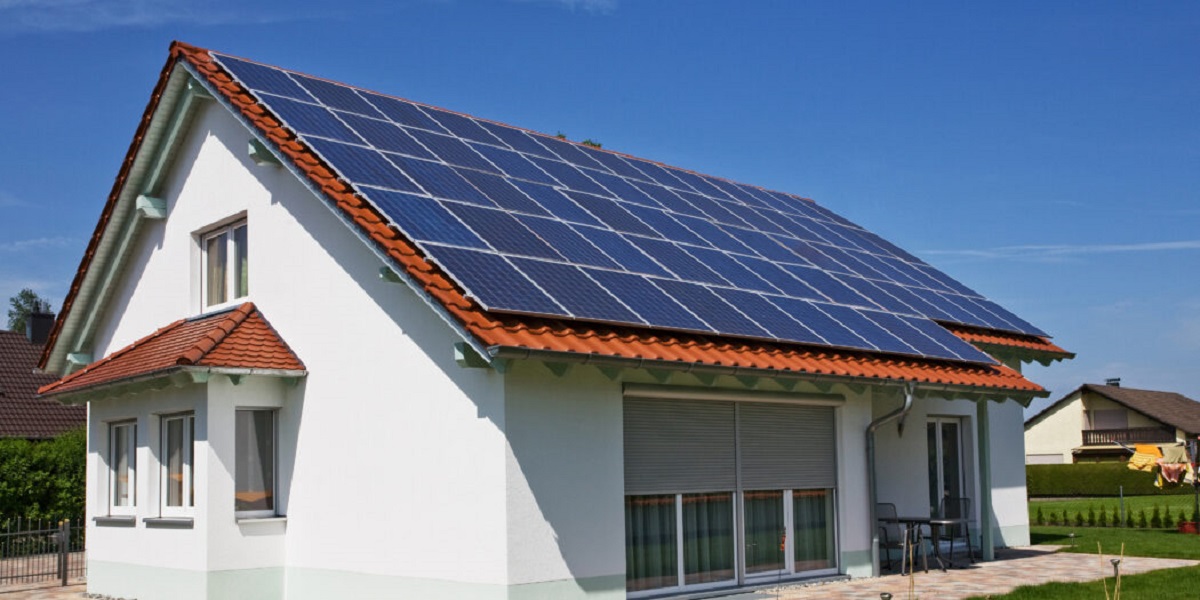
(1168,408)
(542,333)
(239,338)
(22,413)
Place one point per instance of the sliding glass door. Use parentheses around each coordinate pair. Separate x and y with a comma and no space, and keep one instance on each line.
(944,438)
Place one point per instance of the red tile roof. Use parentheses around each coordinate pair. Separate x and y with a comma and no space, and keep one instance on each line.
(238,338)
(22,413)
(547,333)
(1032,343)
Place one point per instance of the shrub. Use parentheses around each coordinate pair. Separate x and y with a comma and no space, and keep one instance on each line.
(1091,516)
(1156,519)
(1041,518)
(43,479)
(1092,480)
(1079,519)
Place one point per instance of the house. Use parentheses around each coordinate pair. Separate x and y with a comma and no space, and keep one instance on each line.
(22,414)
(1092,422)
(339,344)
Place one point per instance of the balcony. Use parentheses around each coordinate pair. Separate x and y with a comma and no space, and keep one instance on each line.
(1133,435)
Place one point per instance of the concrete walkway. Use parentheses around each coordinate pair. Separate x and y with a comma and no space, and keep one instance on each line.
(1013,567)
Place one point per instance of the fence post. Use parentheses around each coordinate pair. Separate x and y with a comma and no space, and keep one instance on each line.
(64,548)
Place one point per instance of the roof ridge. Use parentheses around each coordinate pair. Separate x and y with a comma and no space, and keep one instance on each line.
(221,330)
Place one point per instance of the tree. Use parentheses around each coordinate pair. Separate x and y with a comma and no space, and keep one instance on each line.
(22,305)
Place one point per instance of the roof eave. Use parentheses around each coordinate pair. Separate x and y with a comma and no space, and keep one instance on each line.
(177,376)
(499,355)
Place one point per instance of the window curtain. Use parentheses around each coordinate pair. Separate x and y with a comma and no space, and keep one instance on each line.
(707,537)
(811,512)
(215,248)
(650,551)
(241,250)
(764,531)
(255,450)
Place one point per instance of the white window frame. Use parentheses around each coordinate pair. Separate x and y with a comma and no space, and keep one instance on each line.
(274,510)
(187,507)
(231,279)
(131,468)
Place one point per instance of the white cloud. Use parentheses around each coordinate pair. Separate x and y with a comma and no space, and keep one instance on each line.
(34,16)
(592,6)
(36,244)
(8,200)
(1060,251)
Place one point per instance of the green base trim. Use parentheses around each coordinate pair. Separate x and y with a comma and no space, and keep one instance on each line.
(857,563)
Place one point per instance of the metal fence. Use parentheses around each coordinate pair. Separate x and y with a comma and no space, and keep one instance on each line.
(36,551)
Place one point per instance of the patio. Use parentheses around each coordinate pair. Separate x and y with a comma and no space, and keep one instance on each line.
(1012,568)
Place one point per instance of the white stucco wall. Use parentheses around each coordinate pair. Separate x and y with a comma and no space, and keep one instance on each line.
(399,465)
(1057,431)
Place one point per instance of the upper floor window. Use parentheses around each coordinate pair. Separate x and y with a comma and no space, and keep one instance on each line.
(226,264)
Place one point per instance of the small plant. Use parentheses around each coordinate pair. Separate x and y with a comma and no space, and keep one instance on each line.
(591,142)
(1105,520)
(1142,520)
(1168,519)
(1156,521)
(1091,517)
(1079,519)
(560,135)
(1040,519)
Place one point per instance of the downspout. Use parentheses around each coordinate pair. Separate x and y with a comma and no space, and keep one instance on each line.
(899,413)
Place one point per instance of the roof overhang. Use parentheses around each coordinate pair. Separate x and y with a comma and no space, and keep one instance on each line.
(174,377)
(133,201)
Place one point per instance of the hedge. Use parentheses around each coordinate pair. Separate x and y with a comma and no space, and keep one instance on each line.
(1093,480)
(43,479)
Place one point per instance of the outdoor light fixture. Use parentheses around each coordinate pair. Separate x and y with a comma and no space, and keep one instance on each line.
(885,596)
(1116,563)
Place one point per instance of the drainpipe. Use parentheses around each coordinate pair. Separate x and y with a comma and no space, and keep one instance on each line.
(899,413)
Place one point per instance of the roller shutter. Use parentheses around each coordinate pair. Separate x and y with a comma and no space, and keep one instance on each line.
(787,446)
(674,446)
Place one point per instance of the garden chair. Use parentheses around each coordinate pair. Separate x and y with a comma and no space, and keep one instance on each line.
(957,508)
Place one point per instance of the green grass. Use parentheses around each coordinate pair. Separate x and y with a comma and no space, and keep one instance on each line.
(1177,504)
(1167,584)
(1156,543)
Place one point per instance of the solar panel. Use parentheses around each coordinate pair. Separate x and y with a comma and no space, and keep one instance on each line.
(589,234)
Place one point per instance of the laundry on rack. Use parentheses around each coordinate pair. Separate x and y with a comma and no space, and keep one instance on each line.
(1145,457)
(1174,454)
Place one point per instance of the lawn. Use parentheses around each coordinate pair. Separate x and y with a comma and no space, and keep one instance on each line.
(1168,584)
(1177,504)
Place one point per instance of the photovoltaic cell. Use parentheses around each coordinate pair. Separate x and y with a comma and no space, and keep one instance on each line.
(264,78)
(423,219)
(404,113)
(494,282)
(727,248)
(453,151)
(682,264)
(569,177)
(503,231)
(775,321)
(311,119)
(517,140)
(567,242)
(703,303)
(462,127)
(363,166)
(572,289)
(611,213)
(500,191)
(386,135)
(337,96)
(513,164)
(441,181)
(557,203)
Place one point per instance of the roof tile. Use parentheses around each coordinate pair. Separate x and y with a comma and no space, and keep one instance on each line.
(22,413)
(238,338)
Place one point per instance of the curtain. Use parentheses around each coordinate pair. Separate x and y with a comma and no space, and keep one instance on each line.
(765,533)
(255,458)
(812,511)
(707,537)
(241,264)
(214,277)
(650,548)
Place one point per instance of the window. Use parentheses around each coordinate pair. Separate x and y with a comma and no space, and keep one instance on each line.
(254,494)
(122,461)
(178,479)
(226,264)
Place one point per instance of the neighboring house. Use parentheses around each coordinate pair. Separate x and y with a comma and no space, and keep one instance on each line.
(1083,425)
(22,413)
(488,363)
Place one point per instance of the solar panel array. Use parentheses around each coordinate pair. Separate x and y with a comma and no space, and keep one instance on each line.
(531,224)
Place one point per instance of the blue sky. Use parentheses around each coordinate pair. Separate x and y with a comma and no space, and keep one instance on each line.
(1045,154)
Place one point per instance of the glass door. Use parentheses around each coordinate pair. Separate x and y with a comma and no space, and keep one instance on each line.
(944,437)
(766,531)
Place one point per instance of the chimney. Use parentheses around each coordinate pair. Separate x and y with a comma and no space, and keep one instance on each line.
(1113,381)
(38,327)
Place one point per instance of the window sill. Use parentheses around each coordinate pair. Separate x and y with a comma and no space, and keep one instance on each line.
(115,521)
(168,522)
(261,520)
